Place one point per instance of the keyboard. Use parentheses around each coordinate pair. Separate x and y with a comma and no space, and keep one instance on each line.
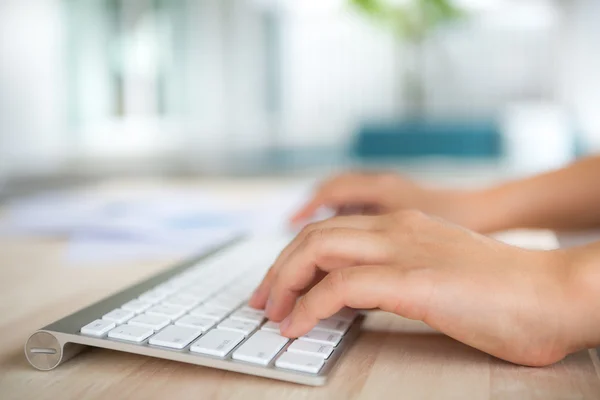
(196,313)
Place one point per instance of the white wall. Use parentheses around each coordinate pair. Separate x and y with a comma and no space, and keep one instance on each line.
(32,86)
(580,68)
(338,69)
(227,77)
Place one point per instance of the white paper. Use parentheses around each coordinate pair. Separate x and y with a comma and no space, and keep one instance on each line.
(147,224)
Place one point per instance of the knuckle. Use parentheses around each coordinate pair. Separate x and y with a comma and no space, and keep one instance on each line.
(315,236)
(308,229)
(311,227)
(409,217)
(388,248)
(337,281)
(313,244)
(303,307)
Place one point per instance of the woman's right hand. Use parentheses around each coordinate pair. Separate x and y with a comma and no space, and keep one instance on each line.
(527,307)
(379,193)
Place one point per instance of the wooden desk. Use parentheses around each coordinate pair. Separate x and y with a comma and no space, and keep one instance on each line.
(393,357)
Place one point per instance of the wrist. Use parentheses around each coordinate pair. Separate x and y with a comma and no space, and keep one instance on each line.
(546,323)
(463,207)
(582,283)
(489,211)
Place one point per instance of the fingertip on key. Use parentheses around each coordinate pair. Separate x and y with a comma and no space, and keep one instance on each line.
(253,301)
(258,299)
(285,325)
(269,308)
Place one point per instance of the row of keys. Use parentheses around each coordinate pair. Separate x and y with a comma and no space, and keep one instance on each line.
(176,306)
(306,354)
(244,320)
(262,347)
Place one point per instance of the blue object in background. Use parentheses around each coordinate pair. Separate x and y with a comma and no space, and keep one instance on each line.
(417,138)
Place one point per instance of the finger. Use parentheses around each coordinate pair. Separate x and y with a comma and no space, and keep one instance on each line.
(260,296)
(256,299)
(307,210)
(310,208)
(325,250)
(352,189)
(353,209)
(356,222)
(361,287)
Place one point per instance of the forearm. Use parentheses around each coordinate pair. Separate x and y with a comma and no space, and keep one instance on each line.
(566,199)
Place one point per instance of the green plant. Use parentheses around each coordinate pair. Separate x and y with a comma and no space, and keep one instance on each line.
(411,19)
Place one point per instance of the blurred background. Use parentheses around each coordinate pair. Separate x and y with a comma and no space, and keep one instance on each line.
(140,129)
(96,88)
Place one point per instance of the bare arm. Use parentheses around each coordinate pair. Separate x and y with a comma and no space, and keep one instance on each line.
(565,199)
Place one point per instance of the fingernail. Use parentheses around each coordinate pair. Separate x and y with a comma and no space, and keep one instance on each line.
(283,325)
(269,306)
(254,294)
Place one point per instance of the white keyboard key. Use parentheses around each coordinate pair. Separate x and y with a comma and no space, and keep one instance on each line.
(180,301)
(98,327)
(249,315)
(332,325)
(310,348)
(240,292)
(175,337)
(322,337)
(271,327)
(136,306)
(118,316)
(244,327)
(162,310)
(190,321)
(300,362)
(131,333)
(168,288)
(154,322)
(217,342)
(247,307)
(260,348)
(226,303)
(197,294)
(153,296)
(210,312)
(345,314)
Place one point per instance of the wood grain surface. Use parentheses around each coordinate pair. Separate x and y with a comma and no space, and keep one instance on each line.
(393,357)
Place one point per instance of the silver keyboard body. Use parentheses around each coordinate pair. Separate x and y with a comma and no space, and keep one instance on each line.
(230,272)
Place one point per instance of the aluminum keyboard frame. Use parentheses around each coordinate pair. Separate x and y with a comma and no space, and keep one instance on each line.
(60,341)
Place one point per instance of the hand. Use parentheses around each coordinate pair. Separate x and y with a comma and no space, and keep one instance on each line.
(378,193)
(509,302)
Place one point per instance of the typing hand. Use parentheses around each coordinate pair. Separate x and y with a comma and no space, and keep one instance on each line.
(376,193)
(509,302)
